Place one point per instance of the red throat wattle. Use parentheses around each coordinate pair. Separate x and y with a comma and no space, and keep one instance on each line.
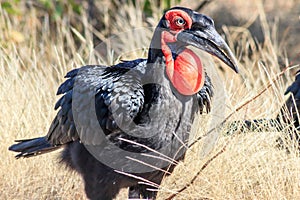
(186,72)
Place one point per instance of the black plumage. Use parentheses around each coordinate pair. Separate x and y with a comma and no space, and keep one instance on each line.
(288,115)
(295,87)
(292,105)
(132,101)
(129,102)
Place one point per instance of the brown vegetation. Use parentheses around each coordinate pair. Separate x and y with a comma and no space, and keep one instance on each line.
(35,54)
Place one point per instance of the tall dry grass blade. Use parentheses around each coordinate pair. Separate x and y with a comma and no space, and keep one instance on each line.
(197,174)
(138,178)
(171,160)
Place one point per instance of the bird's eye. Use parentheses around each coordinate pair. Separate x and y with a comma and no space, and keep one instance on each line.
(179,21)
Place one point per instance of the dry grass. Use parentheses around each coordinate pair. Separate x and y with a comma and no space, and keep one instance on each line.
(32,65)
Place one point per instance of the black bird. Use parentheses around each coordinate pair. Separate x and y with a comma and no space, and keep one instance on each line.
(292,105)
(110,117)
(288,114)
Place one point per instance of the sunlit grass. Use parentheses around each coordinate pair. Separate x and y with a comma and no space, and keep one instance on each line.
(33,64)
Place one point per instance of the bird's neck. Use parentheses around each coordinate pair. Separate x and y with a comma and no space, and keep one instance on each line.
(182,66)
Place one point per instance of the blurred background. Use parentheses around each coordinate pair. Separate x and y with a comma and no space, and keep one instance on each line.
(40,40)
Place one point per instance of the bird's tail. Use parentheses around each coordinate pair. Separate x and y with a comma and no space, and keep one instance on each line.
(32,147)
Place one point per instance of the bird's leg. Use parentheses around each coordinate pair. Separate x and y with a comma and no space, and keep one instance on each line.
(141,191)
(134,192)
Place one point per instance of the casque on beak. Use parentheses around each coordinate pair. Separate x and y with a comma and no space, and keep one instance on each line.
(204,36)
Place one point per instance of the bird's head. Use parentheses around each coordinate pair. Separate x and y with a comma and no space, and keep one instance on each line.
(178,28)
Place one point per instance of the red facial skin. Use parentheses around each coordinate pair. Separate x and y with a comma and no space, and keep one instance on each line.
(186,71)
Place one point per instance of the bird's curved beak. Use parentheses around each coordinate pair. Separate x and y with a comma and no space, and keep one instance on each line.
(209,40)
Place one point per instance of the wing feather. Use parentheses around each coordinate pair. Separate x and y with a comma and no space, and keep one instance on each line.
(295,87)
(116,93)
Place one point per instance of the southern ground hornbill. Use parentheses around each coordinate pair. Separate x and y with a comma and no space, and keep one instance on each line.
(292,105)
(288,115)
(109,116)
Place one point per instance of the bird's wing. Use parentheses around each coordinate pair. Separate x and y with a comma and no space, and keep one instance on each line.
(295,87)
(111,92)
